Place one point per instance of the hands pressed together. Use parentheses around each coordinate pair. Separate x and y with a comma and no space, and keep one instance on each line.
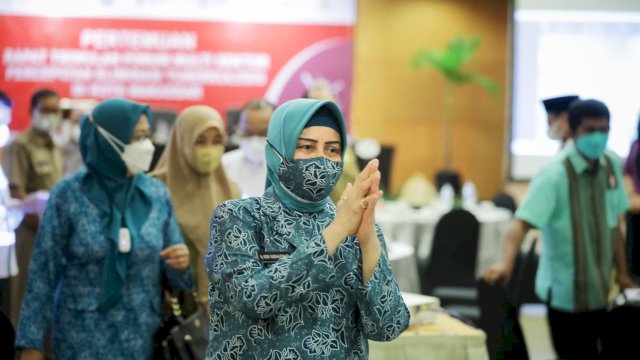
(356,216)
(356,208)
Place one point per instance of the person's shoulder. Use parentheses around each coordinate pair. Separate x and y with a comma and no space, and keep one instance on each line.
(614,157)
(248,203)
(555,168)
(238,206)
(153,185)
(21,140)
(232,155)
(616,161)
(160,174)
(68,185)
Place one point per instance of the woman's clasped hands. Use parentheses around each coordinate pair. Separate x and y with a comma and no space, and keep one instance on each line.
(358,202)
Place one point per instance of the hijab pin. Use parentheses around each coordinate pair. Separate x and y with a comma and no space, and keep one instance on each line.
(124,240)
(613,182)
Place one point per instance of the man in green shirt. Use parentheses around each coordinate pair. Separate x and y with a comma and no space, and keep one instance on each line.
(578,202)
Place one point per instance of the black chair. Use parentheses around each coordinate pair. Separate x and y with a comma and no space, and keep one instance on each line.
(7,338)
(619,340)
(6,327)
(499,318)
(505,201)
(451,177)
(449,273)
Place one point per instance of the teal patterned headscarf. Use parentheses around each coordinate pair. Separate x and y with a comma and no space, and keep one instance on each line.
(287,122)
(107,185)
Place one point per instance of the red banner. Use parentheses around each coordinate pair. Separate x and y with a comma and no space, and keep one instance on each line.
(169,64)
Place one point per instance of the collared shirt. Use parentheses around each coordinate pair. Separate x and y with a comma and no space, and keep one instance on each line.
(548,206)
(33,162)
(248,175)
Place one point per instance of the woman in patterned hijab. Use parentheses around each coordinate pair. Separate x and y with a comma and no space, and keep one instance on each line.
(292,275)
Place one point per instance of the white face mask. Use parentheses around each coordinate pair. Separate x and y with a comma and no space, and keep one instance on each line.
(75,133)
(5,114)
(137,156)
(45,122)
(4,134)
(254,148)
(556,131)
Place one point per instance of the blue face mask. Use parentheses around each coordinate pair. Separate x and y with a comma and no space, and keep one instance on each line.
(592,145)
(308,179)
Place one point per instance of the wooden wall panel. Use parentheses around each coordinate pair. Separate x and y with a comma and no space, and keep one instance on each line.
(403,107)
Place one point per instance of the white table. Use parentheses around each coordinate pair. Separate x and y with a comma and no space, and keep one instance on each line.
(447,338)
(415,227)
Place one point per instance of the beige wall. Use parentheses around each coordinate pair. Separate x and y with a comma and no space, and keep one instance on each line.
(403,107)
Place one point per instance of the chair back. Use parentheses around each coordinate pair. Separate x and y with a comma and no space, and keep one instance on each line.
(499,318)
(448,177)
(452,260)
(506,201)
(8,337)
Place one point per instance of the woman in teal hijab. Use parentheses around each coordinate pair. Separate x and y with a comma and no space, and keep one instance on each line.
(293,275)
(107,235)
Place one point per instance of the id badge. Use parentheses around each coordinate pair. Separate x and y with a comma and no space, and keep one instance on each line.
(124,240)
(269,258)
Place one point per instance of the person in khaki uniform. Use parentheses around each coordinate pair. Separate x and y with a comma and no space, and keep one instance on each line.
(32,163)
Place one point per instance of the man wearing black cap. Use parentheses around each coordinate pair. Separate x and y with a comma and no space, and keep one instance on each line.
(558,117)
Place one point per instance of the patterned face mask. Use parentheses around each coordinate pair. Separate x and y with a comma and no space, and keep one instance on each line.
(308,179)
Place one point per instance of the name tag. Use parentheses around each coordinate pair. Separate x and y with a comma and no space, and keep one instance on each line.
(613,182)
(271,257)
(124,240)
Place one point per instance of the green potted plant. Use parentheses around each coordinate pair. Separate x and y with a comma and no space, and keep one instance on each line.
(450,63)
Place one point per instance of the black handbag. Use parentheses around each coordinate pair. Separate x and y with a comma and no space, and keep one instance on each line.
(184,334)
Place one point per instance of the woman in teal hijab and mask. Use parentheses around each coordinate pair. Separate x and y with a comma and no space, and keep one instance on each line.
(293,275)
(107,235)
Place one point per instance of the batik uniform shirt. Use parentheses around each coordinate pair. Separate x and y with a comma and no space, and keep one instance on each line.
(305,305)
(64,284)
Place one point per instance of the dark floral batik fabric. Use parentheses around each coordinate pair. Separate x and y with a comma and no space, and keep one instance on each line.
(275,292)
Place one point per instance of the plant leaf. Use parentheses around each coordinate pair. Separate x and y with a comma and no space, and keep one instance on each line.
(450,62)
(488,84)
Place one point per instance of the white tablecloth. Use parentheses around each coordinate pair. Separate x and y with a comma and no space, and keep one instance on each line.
(415,227)
(404,266)
(447,339)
